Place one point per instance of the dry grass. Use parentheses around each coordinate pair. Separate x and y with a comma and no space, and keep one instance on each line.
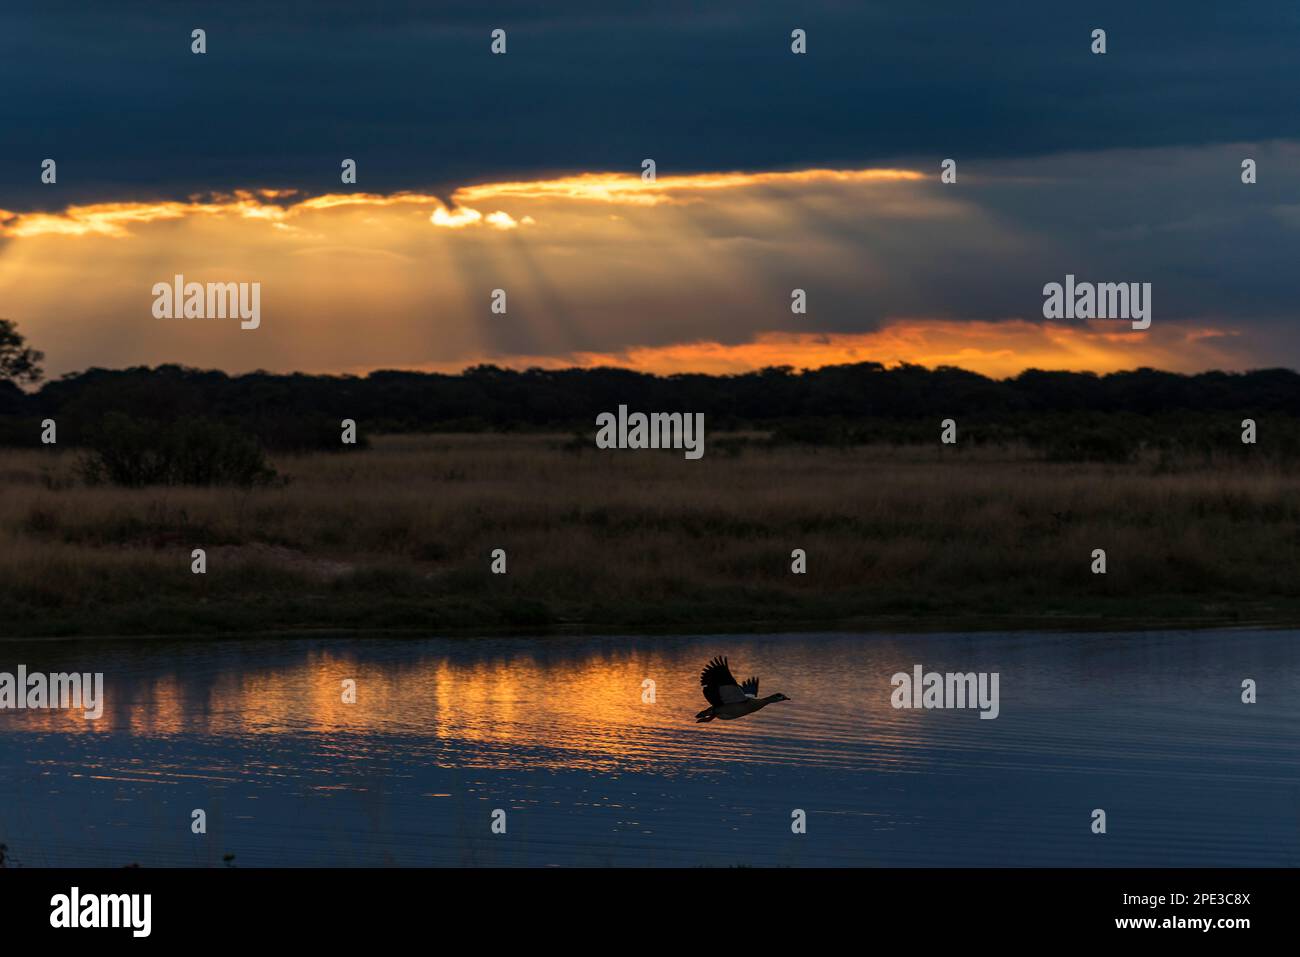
(400,536)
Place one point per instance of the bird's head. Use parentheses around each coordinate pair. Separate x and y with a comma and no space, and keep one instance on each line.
(779,697)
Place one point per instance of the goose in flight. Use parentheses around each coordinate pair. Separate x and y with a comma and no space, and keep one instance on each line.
(727,698)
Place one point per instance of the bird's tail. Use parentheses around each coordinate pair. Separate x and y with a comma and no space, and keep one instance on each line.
(705,715)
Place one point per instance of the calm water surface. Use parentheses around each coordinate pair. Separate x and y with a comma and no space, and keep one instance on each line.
(554,731)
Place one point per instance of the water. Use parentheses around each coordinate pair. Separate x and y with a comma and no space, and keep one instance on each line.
(1150,727)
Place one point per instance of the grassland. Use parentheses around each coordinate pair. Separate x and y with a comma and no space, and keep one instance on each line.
(399,538)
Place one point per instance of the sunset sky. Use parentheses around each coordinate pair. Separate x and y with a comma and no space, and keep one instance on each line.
(775,171)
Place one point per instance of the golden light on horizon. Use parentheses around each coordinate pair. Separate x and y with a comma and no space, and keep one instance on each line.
(684,274)
(995,349)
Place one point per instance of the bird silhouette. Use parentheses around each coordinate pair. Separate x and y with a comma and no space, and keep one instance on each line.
(728,699)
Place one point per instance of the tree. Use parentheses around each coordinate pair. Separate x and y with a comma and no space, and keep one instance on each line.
(18,362)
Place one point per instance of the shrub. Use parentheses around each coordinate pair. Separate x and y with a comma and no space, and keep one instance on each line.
(134,452)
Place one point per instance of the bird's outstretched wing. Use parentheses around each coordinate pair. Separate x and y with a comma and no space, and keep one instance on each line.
(719,685)
(750,688)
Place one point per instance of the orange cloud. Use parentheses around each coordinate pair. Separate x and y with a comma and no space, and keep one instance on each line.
(995,349)
(276,206)
(631,190)
(114,219)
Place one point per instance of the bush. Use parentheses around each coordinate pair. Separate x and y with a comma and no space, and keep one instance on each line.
(134,452)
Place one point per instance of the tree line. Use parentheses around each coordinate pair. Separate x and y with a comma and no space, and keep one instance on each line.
(487,397)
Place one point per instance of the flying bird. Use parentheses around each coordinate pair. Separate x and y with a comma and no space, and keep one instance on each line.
(727,698)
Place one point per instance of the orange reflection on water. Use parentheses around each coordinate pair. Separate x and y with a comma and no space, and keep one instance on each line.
(534,708)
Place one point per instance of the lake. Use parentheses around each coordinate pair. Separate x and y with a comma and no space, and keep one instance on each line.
(554,731)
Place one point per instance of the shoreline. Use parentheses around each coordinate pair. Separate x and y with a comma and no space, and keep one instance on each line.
(1018,625)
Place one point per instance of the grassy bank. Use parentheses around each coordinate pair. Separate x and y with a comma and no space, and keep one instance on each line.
(399,538)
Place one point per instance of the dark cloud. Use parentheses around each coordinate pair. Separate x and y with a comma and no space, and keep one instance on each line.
(410,91)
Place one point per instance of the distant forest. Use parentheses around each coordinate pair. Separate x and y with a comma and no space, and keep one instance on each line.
(1070,414)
